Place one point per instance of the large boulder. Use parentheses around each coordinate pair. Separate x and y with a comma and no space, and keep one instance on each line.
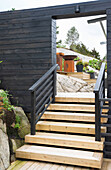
(4,147)
(16,143)
(71,84)
(24,128)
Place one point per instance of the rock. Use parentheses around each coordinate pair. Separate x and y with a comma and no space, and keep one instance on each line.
(13,158)
(71,84)
(2,126)
(16,143)
(59,87)
(4,147)
(24,122)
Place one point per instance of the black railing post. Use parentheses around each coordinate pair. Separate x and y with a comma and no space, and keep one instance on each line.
(104,84)
(97,118)
(33,112)
(54,85)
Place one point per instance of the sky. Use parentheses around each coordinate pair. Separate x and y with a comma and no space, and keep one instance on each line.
(90,34)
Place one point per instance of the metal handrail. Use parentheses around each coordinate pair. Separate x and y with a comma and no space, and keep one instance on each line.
(46,75)
(42,95)
(99,91)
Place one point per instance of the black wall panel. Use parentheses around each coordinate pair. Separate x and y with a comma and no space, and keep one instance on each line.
(26,52)
(28,44)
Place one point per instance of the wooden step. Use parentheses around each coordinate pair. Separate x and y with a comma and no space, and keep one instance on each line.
(84,142)
(74,107)
(75,99)
(69,116)
(59,155)
(90,81)
(67,127)
(81,117)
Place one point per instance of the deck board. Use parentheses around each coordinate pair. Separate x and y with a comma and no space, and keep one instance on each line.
(36,164)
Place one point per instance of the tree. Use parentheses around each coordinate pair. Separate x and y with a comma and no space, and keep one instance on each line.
(95,54)
(59,43)
(72,36)
(57,32)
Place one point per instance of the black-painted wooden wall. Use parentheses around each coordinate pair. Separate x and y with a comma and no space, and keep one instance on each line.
(109,51)
(28,44)
(26,49)
(108,139)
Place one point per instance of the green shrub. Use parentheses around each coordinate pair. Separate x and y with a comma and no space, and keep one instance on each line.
(106,67)
(6,103)
(79,62)
(17,122)
(76,59)
(85,64)
(90,71)
(62,64)
(96,64)
(84,69)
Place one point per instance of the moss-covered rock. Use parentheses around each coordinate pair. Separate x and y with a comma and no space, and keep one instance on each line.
(16,143)
(24,126)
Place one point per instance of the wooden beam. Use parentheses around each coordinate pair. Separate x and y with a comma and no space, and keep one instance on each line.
(96,20)
(63,11)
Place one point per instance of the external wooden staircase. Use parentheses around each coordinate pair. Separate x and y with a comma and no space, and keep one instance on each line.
(65,134)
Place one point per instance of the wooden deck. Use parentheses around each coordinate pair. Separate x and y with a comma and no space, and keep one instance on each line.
(36,165)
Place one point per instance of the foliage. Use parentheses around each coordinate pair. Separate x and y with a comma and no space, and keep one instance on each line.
(82,49)
(76,59)
(90,71)
(17,122)
(79,62)
(57,32)
(59,43)
(95,54)
(85,64)
(104,58)
(84,69)
(62,64)
(6,103)
(106,67)
(13,9)
(72,36)
(96,64)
